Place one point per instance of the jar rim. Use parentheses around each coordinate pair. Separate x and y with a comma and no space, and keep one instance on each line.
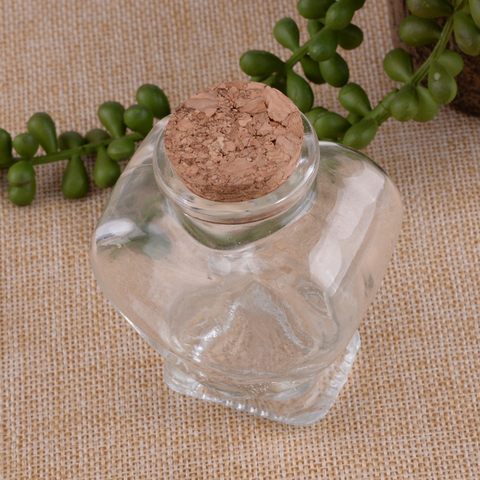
(266,206)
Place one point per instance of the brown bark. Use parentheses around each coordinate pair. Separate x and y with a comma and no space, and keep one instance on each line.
(468,81)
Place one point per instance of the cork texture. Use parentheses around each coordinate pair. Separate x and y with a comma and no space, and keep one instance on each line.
(82,395)
(234,141)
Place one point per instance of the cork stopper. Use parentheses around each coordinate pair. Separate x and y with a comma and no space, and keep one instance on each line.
(234,141)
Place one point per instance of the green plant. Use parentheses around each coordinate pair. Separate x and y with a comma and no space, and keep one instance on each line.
(329,26)
(110,146)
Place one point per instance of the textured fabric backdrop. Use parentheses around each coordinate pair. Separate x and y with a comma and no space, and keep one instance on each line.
(82,395)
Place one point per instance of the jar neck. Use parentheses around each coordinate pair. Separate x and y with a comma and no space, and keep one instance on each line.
(229,224)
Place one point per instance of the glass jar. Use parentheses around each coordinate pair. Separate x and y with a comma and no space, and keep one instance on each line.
(254,304)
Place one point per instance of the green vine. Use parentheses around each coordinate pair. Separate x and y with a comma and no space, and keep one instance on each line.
(111,146)
(329,26)
(83,150)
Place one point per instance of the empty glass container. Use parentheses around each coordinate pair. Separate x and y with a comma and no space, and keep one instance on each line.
(255,304)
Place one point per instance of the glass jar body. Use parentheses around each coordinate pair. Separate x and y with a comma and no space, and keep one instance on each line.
(256,309)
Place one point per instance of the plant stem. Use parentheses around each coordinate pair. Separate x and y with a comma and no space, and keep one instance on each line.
(83,150)
(420,74)
(297,56)
(381,112)
(293,60)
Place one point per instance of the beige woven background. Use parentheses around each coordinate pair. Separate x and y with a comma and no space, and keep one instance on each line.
(82,396)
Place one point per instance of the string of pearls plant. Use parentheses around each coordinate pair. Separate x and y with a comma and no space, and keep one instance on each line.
(110,146)
(329,27)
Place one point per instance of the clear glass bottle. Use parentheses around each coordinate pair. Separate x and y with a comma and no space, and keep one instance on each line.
(255,304)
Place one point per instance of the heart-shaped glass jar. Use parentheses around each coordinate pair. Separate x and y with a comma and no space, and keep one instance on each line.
(254,304)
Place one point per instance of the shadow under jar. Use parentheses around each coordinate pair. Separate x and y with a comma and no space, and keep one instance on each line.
(254,304)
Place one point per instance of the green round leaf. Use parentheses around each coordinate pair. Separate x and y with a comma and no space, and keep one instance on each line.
(287,34)
(353,118)
(22,195)
(430,8)
(350,37)
(5,149)
(331,125)
(111,116)
(75,179)
(314,113)
(404,105)
(361,134)
(299,91)
(417,31)
(340,14)
(467,34)
(452,61)
(353,98)
(260,63)
(68,140)
(335,71)
(281,84)
(41,126)
(258,79)
(398,65)
(323,45)
(313,27)
(21,173)
(121,149)
(155,99)
(26,145)
(441,84)
(427,107)
(359,4)
(139,118)
(106,171)
(475,11)
(313,9)
(96,135)
(311,70)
